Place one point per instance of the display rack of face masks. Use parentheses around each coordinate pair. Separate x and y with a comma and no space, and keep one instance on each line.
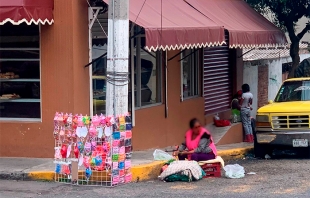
(92,150)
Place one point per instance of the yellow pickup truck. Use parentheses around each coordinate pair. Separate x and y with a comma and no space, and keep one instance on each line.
(285,121)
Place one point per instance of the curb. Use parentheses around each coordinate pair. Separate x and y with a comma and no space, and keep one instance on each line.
(139,173)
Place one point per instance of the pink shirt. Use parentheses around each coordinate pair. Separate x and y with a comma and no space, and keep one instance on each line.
(193,144)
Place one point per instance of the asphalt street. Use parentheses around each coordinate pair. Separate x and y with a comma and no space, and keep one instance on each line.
(274,178)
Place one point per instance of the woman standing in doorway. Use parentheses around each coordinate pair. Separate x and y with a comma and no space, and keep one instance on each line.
(246,107)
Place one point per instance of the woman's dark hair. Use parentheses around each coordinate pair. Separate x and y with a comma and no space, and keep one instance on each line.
(192,122)
(245,88)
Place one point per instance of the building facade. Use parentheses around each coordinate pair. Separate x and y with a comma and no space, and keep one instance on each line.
(45,68)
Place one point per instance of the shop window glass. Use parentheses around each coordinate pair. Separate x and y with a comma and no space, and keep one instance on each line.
(190,73)
(20,72)
(147,75)
(99,68)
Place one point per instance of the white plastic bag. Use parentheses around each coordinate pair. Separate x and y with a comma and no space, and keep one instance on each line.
(234,171)
(160,155)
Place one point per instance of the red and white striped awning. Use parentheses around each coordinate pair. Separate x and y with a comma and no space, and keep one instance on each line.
(26,11)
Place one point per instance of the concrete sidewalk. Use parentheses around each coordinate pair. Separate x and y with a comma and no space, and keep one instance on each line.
(143,165)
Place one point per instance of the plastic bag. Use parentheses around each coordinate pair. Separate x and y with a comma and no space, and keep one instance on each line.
(160,155)
(234,171)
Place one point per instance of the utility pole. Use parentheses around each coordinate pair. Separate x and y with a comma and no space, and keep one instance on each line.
(117,58)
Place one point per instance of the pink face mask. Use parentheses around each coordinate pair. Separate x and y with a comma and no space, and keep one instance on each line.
(93,145)
(102,120)
(56,118)
(106,147)
(76,152)
(108,121)
(69,120)
(86,162)
(61,132)
(95,121)
(80,121)
(87,148)
(92,131)
(63,151)
(57,153)
(60,118)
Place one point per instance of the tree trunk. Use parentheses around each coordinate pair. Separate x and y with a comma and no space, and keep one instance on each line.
(294,53)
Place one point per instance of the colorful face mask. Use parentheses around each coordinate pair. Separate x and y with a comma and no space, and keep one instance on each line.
(116,135)
(128,178)
(121,173)
(115,172)
(63,151)
(108,161)
(121,180)
(86,161)
(56,118)
(128,149)
(60,118)
(127,164)
(95,121)
(115,150)
(115,158)
(87,148)
(98,161)
(93,145)
(122,150)
(102,120)
(69,134)
(128,127)
(121,120)
(66,170)
(65,118)
(80,147)
(69,151)
(115,180)
(86,120)
(57,153)
(76,152)
(88,173)
(61,132)
(92,162)
(106,147)
(128,118)
(70,119)
(115,165)
(108,121)
(122,128)
(80,121)
(92,131)
(121,157)
(58,169)
(121,165)
(128,134)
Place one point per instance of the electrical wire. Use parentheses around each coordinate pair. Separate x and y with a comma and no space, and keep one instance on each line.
(97,19)
(118,78)
(138,14)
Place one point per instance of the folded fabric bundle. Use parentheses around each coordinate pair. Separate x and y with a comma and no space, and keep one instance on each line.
(182,171)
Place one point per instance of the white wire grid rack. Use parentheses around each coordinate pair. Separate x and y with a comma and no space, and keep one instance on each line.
(92,154)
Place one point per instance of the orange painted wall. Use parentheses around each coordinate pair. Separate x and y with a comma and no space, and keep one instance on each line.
(64,81)
(153,129)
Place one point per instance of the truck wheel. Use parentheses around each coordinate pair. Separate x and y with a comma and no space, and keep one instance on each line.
(259,150)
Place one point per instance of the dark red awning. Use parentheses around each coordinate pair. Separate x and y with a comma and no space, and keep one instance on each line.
(28,11)
(246,27)
(176,26)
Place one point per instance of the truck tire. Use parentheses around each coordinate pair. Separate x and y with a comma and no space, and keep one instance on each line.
(259,150)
